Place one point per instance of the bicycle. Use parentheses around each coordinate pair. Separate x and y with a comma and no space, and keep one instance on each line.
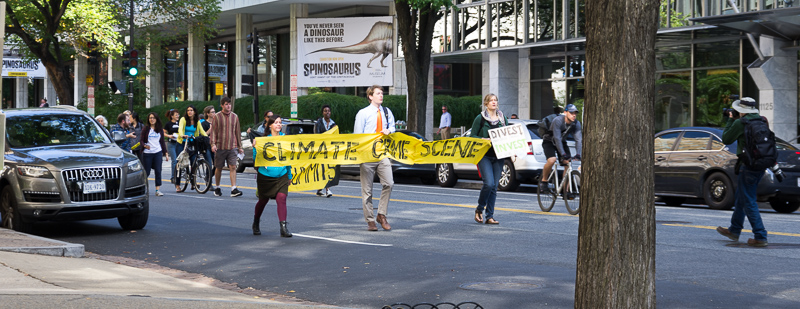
(199,172)
(569,189)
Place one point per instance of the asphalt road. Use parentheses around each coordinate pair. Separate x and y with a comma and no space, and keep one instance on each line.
(436,252)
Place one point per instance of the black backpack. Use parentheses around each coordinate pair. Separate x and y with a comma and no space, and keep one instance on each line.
(759,144)
(545,123)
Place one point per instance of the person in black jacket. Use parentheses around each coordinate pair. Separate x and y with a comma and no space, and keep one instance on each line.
(322,125)
(489,166)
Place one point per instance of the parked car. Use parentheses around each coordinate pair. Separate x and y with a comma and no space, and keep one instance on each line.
(60,164)
(425,172)
(290,127)
(692,162)
(526,169)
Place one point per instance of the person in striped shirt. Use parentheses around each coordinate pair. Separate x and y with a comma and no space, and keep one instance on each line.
(226,144)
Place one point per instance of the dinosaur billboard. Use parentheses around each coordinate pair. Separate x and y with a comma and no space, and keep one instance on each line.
(344,52)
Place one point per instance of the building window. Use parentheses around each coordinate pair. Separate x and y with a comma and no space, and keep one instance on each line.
(175,78)
(217,68)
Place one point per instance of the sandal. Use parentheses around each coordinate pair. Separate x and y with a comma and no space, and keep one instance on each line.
(478,216)
(492,221)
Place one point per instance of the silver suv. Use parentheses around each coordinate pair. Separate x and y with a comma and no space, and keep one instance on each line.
(60,164)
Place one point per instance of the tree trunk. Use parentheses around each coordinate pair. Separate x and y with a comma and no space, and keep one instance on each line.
(416,36)
(616,237)
(62,83)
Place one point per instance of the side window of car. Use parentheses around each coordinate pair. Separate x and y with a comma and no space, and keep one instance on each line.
(693,141)
(664,142)
(716,143)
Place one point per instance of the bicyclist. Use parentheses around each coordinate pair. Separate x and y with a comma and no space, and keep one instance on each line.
(555,142)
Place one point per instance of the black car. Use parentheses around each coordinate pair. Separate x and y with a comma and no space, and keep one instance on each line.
(692,162)
(425,172)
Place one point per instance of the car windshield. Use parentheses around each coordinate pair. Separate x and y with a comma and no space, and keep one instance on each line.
(50,129)
(413,134)
(297,128)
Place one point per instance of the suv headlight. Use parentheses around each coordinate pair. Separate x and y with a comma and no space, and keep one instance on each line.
(134,166)
(34,171)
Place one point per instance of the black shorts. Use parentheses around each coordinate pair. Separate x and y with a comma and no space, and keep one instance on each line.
(550,149)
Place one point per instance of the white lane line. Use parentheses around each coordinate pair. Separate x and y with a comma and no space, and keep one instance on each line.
(344,241)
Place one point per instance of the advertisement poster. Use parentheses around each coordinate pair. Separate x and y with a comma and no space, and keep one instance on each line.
(344,52)
(16,67)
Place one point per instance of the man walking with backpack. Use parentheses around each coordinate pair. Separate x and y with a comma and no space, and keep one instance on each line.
(755,154)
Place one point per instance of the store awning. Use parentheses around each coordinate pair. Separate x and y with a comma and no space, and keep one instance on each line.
(781,23)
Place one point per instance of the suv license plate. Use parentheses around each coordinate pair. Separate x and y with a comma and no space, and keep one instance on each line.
(94,187)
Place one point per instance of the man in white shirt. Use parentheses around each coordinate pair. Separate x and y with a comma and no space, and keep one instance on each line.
(444,124)
(375,119)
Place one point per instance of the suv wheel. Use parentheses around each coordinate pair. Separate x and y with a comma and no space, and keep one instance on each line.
(783,206)
(135,221)
(445,175)
(10,213)
(508,177)
(718,192)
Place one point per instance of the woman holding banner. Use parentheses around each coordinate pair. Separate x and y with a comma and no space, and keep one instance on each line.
(489,166)
(272,182)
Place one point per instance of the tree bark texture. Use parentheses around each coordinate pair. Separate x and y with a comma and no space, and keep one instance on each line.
(616,237)
(415,28)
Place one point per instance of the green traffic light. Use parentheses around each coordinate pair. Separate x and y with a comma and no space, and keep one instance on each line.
(133,71)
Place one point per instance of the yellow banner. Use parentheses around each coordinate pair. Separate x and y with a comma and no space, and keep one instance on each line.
(314,176)
(336,149)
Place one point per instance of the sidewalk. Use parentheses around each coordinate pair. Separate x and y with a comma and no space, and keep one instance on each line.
(32,266)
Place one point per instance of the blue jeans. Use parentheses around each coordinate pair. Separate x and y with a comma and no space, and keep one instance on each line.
(490,169)
(173,153)
(747,184)
(153,160)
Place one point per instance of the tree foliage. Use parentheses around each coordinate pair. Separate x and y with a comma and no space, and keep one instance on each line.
(57,31)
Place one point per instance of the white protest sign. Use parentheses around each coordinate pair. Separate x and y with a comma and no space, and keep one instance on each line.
(510,140)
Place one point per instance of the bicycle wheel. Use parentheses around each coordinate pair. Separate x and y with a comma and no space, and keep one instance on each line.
(572,192)
(183,179)
(547,194)
(202,176)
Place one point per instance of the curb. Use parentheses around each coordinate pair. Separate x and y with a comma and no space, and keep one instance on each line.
(13,241)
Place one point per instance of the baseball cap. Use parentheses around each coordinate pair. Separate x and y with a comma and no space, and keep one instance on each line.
(571,108)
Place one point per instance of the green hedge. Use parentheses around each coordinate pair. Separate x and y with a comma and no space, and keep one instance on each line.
(344,108)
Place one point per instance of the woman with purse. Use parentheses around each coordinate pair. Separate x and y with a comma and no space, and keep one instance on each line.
(272,183)
(154,148)
(489,166)
(188,128)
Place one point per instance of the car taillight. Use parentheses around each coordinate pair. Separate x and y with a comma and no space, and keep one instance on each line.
(530,146)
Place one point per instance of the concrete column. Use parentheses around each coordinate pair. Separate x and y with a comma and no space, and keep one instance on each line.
(777,86)
(79,84)
(296,11)
(49,91)
(244,25)
(114,69)
(155,76)
(524,84)
(485,75)
(399,80)
(22,93)
(503,80)
(196,71)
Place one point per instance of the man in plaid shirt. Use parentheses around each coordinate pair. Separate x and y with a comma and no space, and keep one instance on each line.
(226,144)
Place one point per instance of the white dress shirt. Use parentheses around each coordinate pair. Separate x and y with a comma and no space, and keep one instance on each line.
(367,120)
(445,122)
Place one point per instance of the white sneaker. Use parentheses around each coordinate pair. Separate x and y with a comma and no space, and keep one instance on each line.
(328,193)
(158,193)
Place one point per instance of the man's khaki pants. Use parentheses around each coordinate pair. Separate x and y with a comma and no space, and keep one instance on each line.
(368,170)
(445,133)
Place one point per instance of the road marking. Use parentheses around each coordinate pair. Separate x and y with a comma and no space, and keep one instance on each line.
(743,230)
(344,241)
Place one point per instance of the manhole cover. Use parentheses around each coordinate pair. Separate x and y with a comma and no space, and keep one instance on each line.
(501,286)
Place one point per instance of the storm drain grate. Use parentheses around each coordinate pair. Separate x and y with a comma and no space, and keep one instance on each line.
(501,286)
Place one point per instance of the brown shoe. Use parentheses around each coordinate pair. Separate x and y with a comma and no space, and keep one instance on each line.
(757,242)
(492,221)
(727,233)
(371,226)
(384,224)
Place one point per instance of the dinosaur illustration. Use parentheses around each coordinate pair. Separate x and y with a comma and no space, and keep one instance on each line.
(377,42)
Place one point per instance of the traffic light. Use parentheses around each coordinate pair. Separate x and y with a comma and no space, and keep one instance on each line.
(130,66)
(252,48)
(92,51)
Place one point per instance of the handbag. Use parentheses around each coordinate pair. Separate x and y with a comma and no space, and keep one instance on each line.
(182,160)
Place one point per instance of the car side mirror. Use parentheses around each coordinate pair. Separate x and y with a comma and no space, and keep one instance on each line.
(118,136)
